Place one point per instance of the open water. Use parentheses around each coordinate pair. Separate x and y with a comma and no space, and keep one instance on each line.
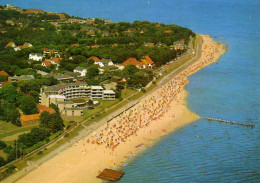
(201,151)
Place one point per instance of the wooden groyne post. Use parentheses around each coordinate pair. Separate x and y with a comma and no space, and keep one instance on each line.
(230,122)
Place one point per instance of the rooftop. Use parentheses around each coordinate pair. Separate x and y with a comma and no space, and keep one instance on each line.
(108,92)
(96,87)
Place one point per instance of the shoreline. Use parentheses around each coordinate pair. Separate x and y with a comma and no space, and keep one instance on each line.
(83,161)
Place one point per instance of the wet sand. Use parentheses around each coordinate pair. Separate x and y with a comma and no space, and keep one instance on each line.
(158,114)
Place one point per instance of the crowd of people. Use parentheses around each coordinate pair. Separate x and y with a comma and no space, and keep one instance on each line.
(152,108)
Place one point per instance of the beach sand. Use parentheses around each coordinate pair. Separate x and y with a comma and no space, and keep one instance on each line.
(158,114)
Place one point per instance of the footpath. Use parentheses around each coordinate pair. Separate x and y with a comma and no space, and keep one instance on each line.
(90,128)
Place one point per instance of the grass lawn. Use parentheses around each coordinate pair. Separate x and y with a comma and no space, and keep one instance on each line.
(8,129)
(4,126)
(57,144)
(127,92)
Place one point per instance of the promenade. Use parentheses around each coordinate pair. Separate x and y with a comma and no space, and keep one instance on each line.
(155,124)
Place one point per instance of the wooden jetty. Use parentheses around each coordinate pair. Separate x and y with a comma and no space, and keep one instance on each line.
(111,175)
(231,122)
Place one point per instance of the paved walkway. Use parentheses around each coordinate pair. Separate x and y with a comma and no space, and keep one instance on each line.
(89,129)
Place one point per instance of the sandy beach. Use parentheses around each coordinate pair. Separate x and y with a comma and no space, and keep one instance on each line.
(110,146)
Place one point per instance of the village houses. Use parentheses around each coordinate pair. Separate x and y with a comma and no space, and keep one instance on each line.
(36,56)
(80,70)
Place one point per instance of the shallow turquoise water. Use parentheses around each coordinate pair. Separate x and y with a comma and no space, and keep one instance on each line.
(202,151)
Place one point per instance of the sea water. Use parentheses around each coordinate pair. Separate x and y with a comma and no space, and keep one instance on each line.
(230,89)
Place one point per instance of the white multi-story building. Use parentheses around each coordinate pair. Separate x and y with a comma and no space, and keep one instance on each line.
(59,95)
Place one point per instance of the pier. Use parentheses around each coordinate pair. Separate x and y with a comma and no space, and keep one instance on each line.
(230,122)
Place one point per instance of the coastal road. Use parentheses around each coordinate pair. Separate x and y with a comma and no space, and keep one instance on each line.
(89,129)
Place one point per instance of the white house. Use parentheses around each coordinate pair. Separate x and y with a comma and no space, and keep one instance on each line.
(119,66)
(35,57)
(17,48)
(81,70)
(104,62)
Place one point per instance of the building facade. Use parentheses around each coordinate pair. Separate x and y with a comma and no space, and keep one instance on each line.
(63,94)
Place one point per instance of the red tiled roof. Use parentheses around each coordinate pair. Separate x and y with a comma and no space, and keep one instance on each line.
(47,63)
(4,73)
(132,61)
(9,44)
(75,45)
(35,11)
(57,60)
(149,60)
(34,117)
(45,49)
(42,108)
(168,31)
(4,83)
(31,117)
(61,15)
(96,59)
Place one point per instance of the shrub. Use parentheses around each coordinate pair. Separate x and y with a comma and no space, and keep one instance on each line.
(40,153)
(2,144)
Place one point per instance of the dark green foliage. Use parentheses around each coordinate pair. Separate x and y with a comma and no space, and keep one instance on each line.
(9,93)
(35,95)
(33,84)
(28,105)
(15,153)
(55,107)
(8,149)
(92,81)
(118,93)
(3,78)
(92,71)
(2,161)
(79,59)
(120,86)
(2,144)
(49,81)
(130,70)
(9,170)
(45,118)
(90,104)
(8,112)
(29,139)
(53,122)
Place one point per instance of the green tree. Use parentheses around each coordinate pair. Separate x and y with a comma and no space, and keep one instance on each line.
(53,122)
(35,95)
(9,93)
(130,70)
(56,123)
(92,71)
(2,161)
(55,107)
(90,104)
(92,81)
(2,144)
(34,136)
(8,112)
(3,78)
(78,59)
(44,119)
(33,84)
(29,105)
(49,81)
